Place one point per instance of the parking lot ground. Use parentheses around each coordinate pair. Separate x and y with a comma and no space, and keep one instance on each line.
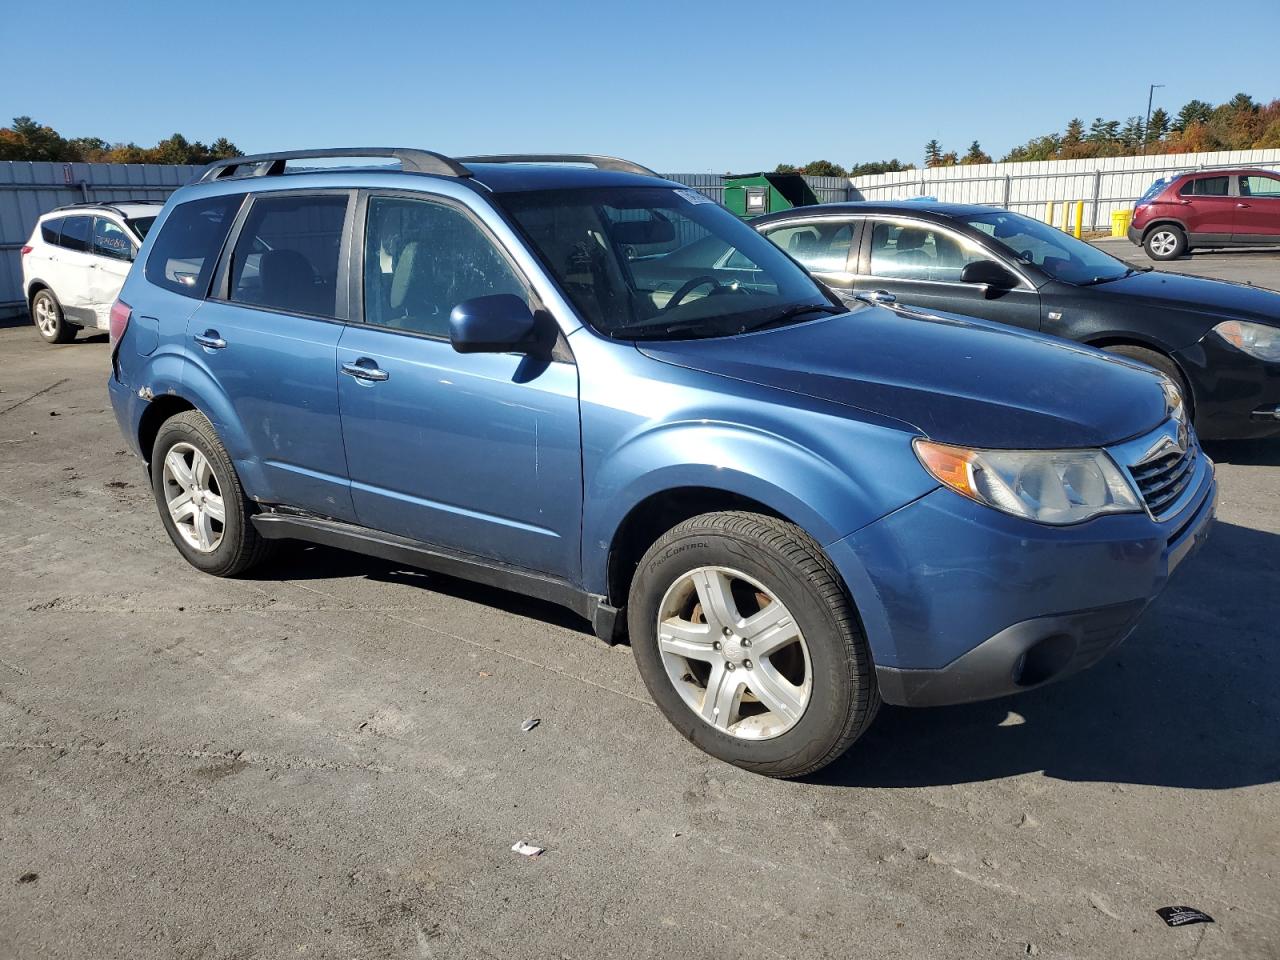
(326,760)
(1260,267)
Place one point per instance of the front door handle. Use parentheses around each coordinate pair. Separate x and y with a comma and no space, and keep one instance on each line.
(876,296)
(365,369)
(210,340)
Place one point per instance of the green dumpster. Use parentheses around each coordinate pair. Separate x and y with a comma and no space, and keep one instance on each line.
(751,194)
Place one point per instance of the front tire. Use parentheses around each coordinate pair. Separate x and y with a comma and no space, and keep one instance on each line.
(749,644)
(202,505)
(1165,242)
(51,323)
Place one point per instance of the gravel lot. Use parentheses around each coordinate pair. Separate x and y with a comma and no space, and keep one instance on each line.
(327,760)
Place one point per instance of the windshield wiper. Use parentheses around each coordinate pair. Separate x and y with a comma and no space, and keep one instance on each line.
(1117,276)
(791,313)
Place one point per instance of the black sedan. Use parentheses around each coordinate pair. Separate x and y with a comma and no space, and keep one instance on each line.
(1219,341)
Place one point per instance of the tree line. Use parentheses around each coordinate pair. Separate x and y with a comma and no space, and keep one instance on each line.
(1239,124)
(27,139)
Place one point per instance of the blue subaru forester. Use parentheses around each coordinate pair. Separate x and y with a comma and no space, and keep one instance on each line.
(509,369)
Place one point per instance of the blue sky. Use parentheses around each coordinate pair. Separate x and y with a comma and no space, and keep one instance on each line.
(682,87)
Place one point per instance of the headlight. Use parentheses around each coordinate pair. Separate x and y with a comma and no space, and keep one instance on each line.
(1047,486)
(1256,339)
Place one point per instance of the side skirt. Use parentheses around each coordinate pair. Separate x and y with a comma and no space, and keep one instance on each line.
(607,621)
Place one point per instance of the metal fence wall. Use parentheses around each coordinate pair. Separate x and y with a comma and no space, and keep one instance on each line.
(1105,184)
(28,189)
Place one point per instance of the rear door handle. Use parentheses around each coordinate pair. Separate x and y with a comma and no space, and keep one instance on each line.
(1242,205)
(210,340)
(365,369)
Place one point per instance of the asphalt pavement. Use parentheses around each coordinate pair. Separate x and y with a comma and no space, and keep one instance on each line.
(327,760)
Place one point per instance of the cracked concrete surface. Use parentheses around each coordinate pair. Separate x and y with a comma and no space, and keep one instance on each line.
(327,761)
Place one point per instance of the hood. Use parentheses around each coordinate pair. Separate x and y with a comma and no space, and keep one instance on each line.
(1213,298)
(956,380)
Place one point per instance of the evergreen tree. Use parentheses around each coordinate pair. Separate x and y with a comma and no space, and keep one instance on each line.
(976,154)
(933,154)
(1158,126)
(1075,132)
(1195,111)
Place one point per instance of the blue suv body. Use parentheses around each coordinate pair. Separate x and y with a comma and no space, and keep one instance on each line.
(501,368)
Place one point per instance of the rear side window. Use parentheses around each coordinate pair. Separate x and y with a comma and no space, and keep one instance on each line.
(75,233)
(186,251)
(1153,190)
(50,229)
(286,257)
(1206,187)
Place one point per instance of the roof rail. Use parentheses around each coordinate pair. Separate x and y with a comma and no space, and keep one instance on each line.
(273,164)
(602,163)
(102,205)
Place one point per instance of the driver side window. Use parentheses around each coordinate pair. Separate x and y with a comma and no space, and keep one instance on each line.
(422,259)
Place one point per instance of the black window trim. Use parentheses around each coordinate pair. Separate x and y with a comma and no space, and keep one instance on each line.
(220,286)
(356,295)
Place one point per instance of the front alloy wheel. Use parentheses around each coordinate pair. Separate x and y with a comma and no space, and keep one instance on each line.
(734,653)
(749,644)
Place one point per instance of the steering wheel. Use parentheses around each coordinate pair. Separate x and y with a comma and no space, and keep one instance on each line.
(688,287)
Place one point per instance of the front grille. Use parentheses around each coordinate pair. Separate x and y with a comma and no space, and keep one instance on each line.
(1162,479)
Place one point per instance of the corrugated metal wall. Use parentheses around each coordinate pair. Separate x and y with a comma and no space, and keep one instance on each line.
(1105,185)
(28,189)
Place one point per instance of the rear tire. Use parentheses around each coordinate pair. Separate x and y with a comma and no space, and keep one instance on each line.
(51,323)
(202,505)
(1162,363)
(1165,242)
(782,693)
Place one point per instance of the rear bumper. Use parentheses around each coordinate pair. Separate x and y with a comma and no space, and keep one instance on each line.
(962,603)
(1135,235)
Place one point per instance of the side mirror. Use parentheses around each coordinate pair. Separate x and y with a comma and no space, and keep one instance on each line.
(988,273)
(501,323)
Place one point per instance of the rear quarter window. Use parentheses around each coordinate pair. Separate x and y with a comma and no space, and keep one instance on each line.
(50,229)
(186,250)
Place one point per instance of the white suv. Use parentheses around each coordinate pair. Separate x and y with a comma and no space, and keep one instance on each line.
(76,261)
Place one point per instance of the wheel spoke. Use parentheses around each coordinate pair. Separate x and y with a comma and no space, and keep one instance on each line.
(685,639)
(178,469)
(181,507)
(720,702)
(204,530)
(776,692)
(213,507)
(716,599)
(200,469)
(773,627)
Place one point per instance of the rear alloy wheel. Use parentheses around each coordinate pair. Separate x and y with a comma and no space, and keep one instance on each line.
(1165,243)
(47,315)
(202,505)
(748,643)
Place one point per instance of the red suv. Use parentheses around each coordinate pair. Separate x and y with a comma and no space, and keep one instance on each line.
(1209,208)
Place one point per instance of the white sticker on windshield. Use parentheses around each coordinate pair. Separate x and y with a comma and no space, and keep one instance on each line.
(693,196)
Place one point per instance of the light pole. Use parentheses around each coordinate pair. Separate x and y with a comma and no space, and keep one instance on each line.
(1146,126)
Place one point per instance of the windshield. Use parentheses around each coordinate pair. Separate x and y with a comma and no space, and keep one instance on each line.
(662,263)
(141,225)
(1058,254)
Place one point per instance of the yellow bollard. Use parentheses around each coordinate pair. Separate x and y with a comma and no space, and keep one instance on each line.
(1050,209)
(1079,219)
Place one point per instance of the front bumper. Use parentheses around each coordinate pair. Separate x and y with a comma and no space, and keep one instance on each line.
(1236,395)
(960,602)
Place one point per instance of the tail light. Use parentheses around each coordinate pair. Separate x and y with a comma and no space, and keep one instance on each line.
(120,313)
(27,249)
